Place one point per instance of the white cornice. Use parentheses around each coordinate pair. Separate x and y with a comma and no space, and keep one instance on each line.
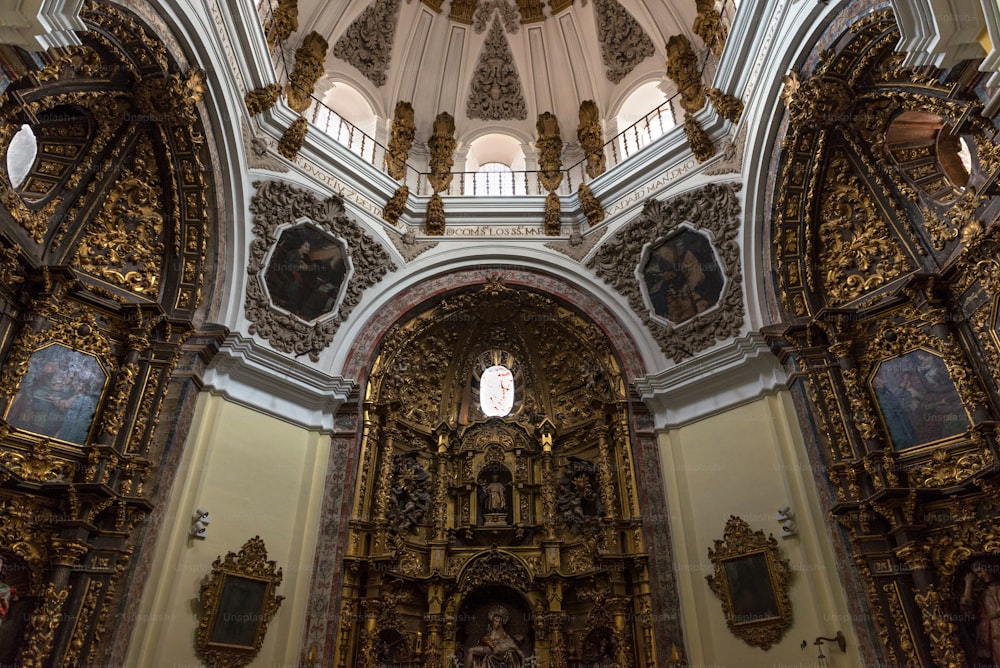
(247,373)
(734,374)
(37,25)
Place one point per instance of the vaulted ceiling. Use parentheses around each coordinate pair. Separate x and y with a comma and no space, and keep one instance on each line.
(494,64)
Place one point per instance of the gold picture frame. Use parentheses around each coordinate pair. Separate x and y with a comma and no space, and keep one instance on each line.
(238,601)
(751,579)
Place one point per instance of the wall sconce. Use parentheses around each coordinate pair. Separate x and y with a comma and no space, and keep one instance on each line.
(199,529)
(839,639)
(786,521)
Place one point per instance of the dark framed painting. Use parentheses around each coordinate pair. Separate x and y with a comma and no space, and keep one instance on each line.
(59,394)
(917,399)
(238,601)
(751,579)
(240,611)
(307,272)
(681,276)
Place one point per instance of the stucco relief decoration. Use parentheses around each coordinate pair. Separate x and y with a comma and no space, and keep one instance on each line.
(495,93)
(507,12)
(275,208)
(712,214)
(624,44)
(367,44)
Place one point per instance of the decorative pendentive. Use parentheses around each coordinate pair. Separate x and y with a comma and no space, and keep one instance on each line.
(712,215)
(276,208)
(309,66)
(751,579)
(507,12)
(367,43)
(624,44)
(404,129)
(495,93)
(590,134)
(124,244)
(238,601)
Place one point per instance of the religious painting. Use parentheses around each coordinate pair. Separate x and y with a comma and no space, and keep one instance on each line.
(681,276)
(918,400)
(238,600)
(307,272)
(238,615)
(751,579)
(59,394)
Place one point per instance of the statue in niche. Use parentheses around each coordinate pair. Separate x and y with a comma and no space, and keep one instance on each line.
(494,490)
(980,602)
(410,494)
(578,496)
(496,649)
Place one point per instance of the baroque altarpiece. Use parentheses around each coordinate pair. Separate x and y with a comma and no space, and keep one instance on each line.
(105,258)
(522,521)
(886,262)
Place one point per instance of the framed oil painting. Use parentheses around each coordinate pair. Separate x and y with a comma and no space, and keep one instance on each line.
(307,272)
(59,394)
(751,580)
(681,276)
(239,601)
(917,400)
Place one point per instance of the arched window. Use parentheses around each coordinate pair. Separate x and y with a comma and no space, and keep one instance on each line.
(495,161)
(21,153)
(645,115)
(347,116)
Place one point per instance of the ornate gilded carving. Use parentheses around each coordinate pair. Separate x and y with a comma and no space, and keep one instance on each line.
(284,20)
(442,147)
(549,144)
(741,557)
(39,466)
(590,134)
(403,131)
(624,44)
(939,628)
(709,26)
(817,103)
(434,225)
(310,60)
(293,138)
(553,215)
(716,209)
(590,205)
(495,92)
(367,43)
(683,70)
(82,624)
(698,139)
(858,253)
(409,494)
(171,99)
(238,599)
(41,632)
(729,106)
(124,242)
(261,99)
(396,205)
(944,469)
(277,204)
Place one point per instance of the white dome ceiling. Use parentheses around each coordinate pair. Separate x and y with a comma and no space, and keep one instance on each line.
(487,63)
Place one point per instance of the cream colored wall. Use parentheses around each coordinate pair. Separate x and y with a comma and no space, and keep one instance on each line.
(256,475)
(748,462)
